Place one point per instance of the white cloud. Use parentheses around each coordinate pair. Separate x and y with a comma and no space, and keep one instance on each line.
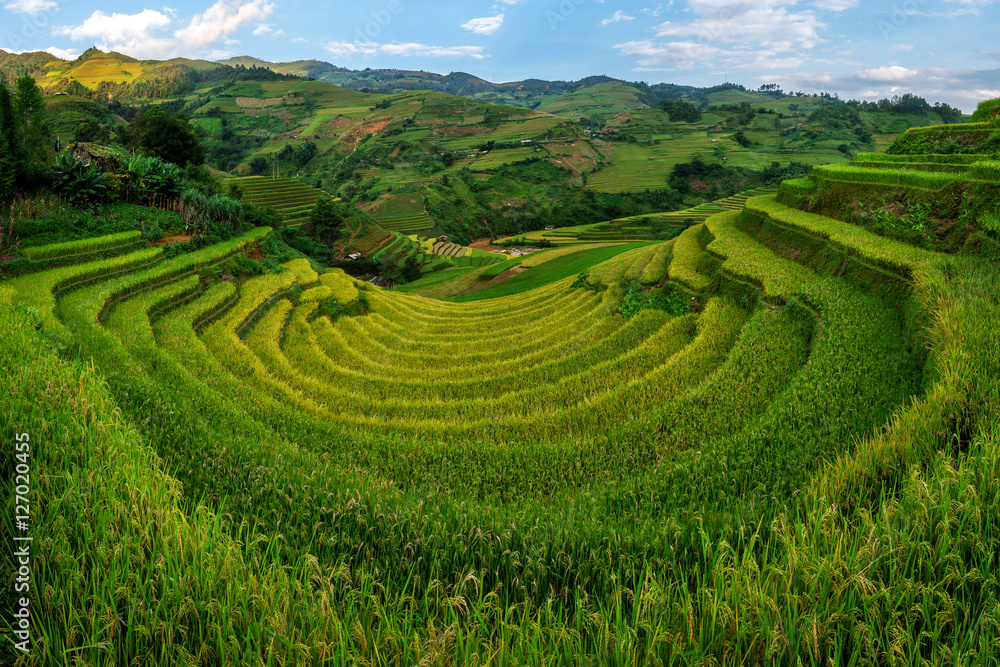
(771,27)
(221,20)
(655,11)
(484,26)
(682,55)
(62,54)
(836,5)
(117,28)
(263,29)
(889,73)
(415,49)
(30,6)
(300,40)
(901,47)
(735,34)
(144,34)
(346,50)
(616,17)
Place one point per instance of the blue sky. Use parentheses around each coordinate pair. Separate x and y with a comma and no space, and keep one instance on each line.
(945,50)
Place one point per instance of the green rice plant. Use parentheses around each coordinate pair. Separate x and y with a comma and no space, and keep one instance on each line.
(98,456)
(115,290)
(549,272)
(38,290)
(83,246)
(920,158)
(688,251)
(627,265)
(986,112)
(254,294)
(799,186)
(316,294)
(991,222)
(534,259)
(879,251)
(893,177)
(305,274)
(748,260)
(655,272)
(132,318)
(771,350)
(985,170)
(495,270)
(342,287)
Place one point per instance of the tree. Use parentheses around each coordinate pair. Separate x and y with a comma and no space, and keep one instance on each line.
(328,219)
(411,269)
(258,165)
(11,143)
(32,116)
(168,138)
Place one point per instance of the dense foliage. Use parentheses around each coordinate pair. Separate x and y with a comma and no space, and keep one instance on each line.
(681,111)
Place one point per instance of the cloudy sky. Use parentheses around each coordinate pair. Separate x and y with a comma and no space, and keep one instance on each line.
(945,50)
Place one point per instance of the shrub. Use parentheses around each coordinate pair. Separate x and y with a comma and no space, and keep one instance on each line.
(80,184)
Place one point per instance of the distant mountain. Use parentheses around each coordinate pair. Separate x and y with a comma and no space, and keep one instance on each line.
(527,93)
(117,76)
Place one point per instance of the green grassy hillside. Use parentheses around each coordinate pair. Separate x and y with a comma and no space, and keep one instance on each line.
(771,439)
(384,135)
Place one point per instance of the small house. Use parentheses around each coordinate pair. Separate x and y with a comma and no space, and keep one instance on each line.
(443,239)
(550,228)
(383,282)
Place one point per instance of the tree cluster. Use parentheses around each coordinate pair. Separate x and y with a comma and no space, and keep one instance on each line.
(169,138)
(681,111)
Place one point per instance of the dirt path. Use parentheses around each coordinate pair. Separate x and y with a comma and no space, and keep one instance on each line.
(174,238)
(484,244)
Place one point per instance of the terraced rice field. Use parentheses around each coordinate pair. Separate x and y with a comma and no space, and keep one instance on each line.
(794,463)
(405,214)
(433,255)
(637,228)
(292,199)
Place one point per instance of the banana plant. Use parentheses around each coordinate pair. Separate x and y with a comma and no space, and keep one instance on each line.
(81,184)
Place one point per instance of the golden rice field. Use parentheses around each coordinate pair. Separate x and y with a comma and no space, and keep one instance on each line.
(771,440)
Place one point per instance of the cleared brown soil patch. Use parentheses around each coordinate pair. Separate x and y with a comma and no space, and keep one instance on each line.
(174,238)
(462,131)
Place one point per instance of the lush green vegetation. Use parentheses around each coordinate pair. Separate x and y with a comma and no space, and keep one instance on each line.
(431,154)
(768,439)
